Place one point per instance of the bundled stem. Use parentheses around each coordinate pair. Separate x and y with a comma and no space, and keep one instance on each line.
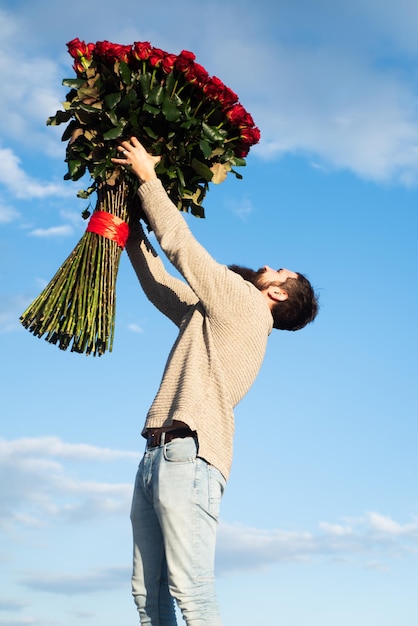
(78,306)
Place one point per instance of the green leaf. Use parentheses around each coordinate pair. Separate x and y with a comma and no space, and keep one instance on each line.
(125,73)
(59,118)
(114,133)
(156,96)
(76,169)
(180,176)
(112,99)
(112,115)
(170,111)
(192,121)
(220,172)
(212,133)
(85,193)
(237,174)
(99,171)
(69,130)
(238,161)
(130,99)
(145,83)
(87,107)
(205,148)
(170,81)
(197,210)
(150,109)
(86,118)
(75,83)
(202,169)
(151,134)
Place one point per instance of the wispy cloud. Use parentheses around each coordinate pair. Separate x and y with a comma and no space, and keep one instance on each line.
(135,328)
(7,214)
(11,307)
(242,207)
(107,579)
(31,88)
(360,539)
(20,184)
(318,82)
(38,488)
(11,605)
(52,232)
(55,447)
(24,621)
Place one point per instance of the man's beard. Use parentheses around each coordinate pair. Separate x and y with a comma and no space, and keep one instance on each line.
(255,277)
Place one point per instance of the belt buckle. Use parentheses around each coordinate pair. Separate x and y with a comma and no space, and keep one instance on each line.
(154,439)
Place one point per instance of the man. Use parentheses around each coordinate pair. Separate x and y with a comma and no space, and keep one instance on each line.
(224,316)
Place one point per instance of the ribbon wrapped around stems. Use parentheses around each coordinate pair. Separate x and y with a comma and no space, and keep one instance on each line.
(77,307)
(109,226)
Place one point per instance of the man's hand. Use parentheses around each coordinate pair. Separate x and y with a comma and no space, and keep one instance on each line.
(140,162)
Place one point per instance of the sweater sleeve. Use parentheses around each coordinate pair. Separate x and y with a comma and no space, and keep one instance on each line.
(207,278)
(169,294)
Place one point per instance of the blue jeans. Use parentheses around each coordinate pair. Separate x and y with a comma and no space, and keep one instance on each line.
(174,517)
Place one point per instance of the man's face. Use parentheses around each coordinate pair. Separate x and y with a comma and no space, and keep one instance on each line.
(266,276)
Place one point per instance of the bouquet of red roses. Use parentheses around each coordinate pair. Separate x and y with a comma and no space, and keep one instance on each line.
(177,111)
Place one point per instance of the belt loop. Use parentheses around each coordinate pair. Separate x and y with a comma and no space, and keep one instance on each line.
(162,440)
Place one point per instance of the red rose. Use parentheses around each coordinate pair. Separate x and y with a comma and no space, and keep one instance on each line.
(238,116)
(185,60)
(242,151)
(90,50)
(141,50)
(78,67)
(112,51)
(78,48)
(229,97)
(250,135)
(156,57)
(197,75)
(214,88)
(168,63)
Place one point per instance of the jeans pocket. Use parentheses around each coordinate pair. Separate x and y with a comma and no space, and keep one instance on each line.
(182,450)
(216,488)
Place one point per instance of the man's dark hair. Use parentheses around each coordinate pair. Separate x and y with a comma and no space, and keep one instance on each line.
(299,309)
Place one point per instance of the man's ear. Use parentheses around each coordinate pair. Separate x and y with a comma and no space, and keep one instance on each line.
(277,294)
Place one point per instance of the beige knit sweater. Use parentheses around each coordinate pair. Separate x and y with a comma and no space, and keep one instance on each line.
(223,322)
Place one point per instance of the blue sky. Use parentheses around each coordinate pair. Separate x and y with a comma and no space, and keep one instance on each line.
(320,517)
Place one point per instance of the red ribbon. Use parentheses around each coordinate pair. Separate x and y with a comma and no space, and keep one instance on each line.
(109,226)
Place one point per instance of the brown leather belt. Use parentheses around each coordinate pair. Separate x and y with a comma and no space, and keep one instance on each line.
(155,437)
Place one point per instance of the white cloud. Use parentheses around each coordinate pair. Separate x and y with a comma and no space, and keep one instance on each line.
(11,307)
(55,447)
(241,547)
(38,488)
(242,207)
(7,214)
(135,328)
(53,231)
(15,179)
(109,579)
(30,88)
(24,621)
(333,82)
(11,605)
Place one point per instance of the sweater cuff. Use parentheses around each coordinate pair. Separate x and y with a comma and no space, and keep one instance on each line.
(149,186)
